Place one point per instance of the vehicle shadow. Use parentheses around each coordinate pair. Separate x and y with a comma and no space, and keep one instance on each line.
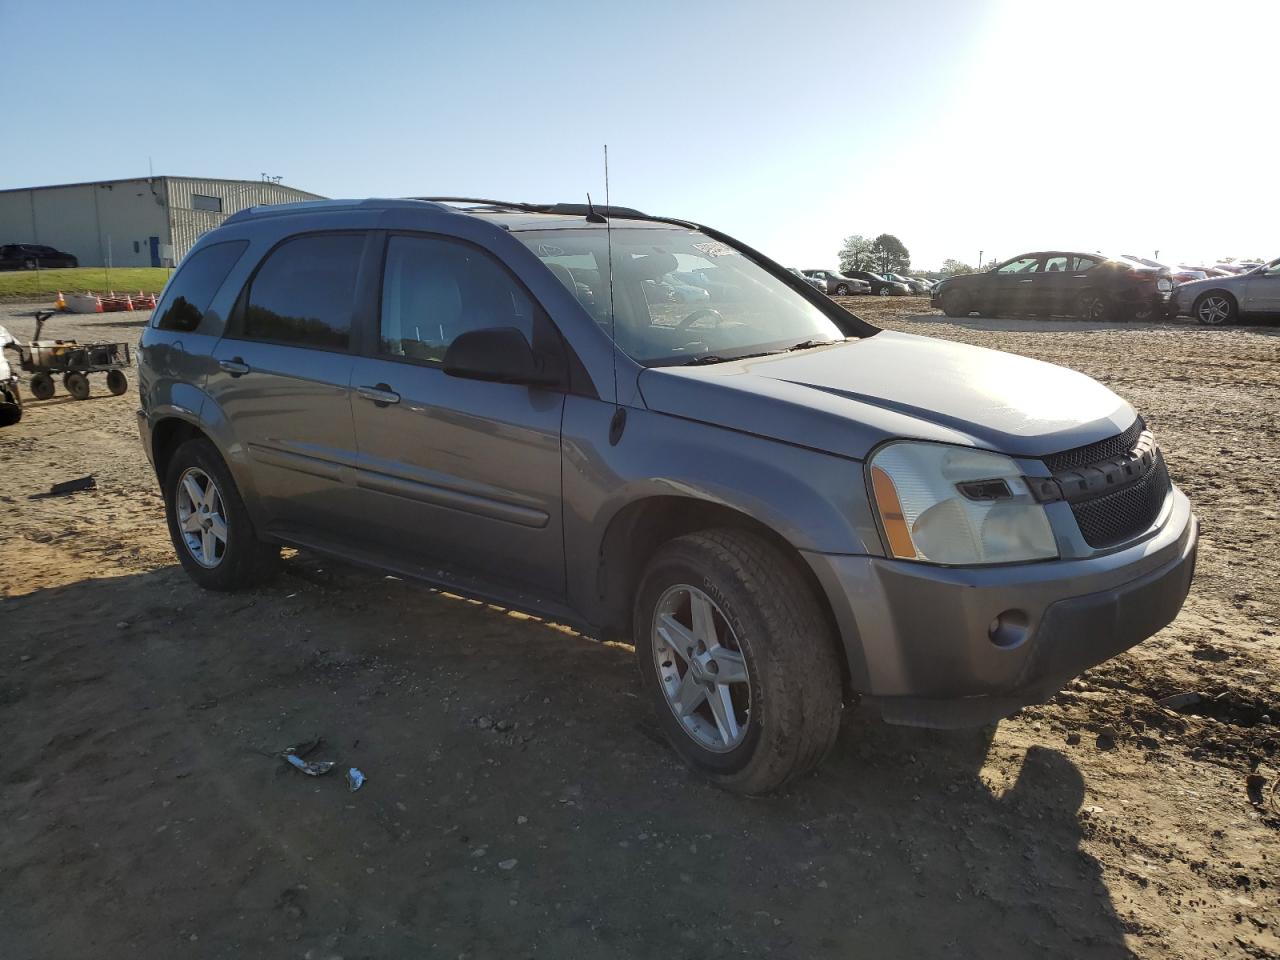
(519,799)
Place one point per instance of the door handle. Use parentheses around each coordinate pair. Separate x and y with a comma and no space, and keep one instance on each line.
(235,366)
(1024,281)
(381,395)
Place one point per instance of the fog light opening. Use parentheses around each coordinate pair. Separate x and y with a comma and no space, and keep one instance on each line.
(1009,629)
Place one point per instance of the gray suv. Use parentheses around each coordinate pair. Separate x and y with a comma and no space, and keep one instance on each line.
(783,507)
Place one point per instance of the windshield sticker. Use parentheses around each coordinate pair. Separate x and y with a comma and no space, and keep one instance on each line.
(550,250)
(714,249)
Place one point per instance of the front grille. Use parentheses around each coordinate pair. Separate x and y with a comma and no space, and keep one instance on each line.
(1078,457)
(1116,517)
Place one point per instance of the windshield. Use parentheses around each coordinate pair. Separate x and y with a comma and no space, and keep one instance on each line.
(678,295)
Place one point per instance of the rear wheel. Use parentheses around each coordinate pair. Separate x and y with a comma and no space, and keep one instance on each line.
(737,659)
(77,385)
(117,382)
(41,386)
(209,524)
(1215,308)
(1092,307)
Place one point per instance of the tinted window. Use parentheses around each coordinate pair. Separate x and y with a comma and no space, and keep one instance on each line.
(200,202)
(434,289)
(304,292)
(1085,263)
(1057,264)
(1021,265)
(198,279)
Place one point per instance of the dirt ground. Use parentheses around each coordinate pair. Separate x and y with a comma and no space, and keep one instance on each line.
(519,802)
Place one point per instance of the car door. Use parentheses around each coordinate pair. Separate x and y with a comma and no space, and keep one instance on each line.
(1051,285)
(1009,286)
(283,379)
(1262,290)
(455,473)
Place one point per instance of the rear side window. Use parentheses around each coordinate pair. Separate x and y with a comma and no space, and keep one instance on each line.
(304,292)
(1085,263)
(198,279)
(434,289)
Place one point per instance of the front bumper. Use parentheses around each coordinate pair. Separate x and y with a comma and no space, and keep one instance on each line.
(917,640)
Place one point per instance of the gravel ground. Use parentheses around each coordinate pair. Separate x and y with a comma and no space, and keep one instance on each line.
(520,802)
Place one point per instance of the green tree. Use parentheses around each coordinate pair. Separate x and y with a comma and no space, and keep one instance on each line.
(890,254)
(856,254)
(955,267)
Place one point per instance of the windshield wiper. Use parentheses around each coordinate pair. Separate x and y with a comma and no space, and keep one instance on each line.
(806,344)
(716,358)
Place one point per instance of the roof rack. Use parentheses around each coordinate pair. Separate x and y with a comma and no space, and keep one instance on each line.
(312,206)
(564,209)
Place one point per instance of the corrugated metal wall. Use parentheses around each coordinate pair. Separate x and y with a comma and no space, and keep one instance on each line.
(188,223)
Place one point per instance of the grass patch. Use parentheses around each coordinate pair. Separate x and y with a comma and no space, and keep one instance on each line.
(41,284)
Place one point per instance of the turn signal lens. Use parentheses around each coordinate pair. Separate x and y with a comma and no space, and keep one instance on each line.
(895,524)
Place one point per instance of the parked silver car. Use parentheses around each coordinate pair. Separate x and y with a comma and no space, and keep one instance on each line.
(1218,300)
(837,284)
(783,507)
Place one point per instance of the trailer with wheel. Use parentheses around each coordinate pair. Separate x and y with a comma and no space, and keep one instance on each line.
(73,362)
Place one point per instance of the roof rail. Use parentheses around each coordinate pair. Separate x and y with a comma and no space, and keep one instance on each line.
(565,209)
(315,206)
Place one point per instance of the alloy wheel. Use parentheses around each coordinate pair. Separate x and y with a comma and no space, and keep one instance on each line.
(1091,308)
(201,517)
(701,668)
(1214,310)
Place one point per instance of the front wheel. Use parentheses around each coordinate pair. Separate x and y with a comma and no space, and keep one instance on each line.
(955,304)
(1215,309)
(117,382)
(842,290)
(77,385)
(209,524)
(738,660)
(41,386)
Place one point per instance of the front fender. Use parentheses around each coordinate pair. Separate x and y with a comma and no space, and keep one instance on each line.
(814,501)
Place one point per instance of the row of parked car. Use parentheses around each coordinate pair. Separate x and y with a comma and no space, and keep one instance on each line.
(853,283)
(1092,286)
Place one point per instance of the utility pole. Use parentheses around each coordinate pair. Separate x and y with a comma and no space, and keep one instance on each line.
(980,253)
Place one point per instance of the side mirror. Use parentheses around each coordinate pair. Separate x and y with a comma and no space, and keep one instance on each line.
(500,355)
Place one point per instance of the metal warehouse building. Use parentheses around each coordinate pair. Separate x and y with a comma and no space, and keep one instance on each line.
(148,222)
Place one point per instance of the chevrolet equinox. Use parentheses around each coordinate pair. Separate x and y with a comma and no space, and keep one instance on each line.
(783,507)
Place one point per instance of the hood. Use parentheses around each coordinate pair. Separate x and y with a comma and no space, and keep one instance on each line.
(846,398)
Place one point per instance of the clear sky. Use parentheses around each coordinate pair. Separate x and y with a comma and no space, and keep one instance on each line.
(999,125)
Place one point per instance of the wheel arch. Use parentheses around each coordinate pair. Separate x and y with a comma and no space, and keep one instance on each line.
(640,528)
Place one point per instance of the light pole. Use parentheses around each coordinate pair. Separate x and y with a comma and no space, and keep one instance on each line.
(980,252)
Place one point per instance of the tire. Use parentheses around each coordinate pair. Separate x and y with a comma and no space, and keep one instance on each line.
(243,560)
(1215,309)
(955,303)
(842,290)
(884,291)
(117,382)
(1092,307)
(10,406)
(28,264)
(41,386)
(786,704)
(77,385)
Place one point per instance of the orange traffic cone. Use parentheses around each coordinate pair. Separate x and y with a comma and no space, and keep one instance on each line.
(61,302)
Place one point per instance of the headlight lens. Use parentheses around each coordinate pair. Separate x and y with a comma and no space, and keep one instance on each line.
(956,505)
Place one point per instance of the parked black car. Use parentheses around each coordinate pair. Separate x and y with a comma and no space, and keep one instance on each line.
(28,256)
(879,285)
(1090,286)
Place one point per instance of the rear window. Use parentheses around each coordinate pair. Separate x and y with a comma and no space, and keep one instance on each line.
(304,292)
(195,284)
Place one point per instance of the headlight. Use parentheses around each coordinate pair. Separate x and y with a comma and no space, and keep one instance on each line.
(956,505)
